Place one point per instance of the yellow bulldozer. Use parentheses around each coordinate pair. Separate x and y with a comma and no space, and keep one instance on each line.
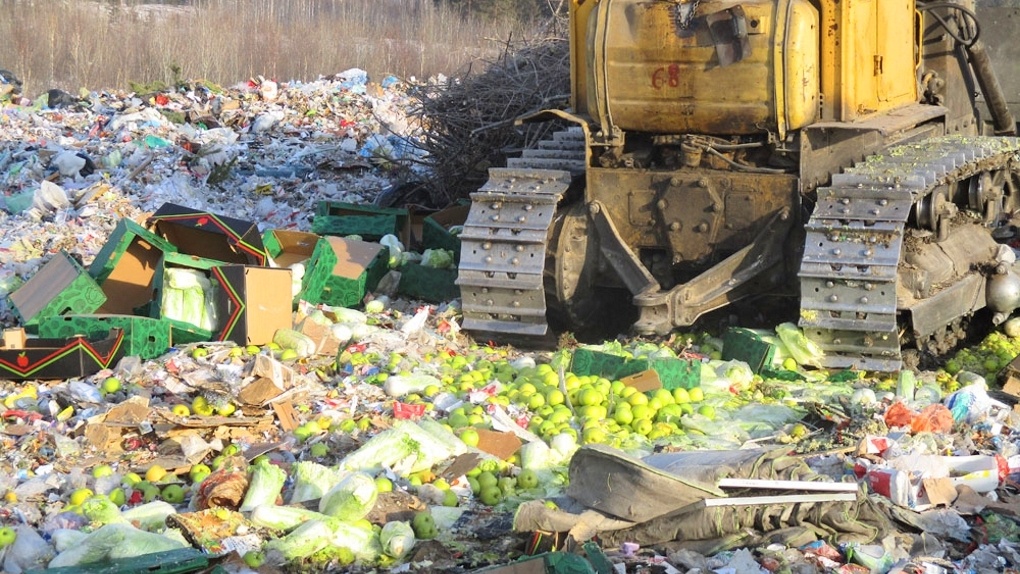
(858,156)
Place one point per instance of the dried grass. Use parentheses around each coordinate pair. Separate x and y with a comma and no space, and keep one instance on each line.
(468,121)
(71,44)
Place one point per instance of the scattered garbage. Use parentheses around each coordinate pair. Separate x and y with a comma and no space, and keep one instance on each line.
(219,351)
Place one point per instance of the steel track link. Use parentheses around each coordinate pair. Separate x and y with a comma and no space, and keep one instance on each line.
(505,239)
(854,244)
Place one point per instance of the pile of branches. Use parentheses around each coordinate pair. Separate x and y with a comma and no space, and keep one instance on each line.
(468,121)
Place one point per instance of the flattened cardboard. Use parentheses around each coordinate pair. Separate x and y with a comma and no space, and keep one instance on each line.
(60,287)
(499,444)
(1012,387)
(209,235)
(644,381)
(147,338)
(126,265)
(341,271)
(286,415)
(32,358)
(325,342)
(255,303)
(939,491)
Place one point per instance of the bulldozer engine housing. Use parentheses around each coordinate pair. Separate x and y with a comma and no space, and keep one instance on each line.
(859,155)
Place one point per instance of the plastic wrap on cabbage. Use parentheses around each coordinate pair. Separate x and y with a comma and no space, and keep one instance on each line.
(113,542)
(149,516)
(283,518)
(396,538)
(351,499)
(407,447)
(437,258)
(802,349)
(396,248)
(101,510)
(264,486)
(311,480)
(305,540)
(318,536)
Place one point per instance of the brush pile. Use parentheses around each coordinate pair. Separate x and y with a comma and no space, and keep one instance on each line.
(468,122)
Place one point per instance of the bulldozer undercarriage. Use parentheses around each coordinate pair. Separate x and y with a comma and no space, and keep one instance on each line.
(523,263)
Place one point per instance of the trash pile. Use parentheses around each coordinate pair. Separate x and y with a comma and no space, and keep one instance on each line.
(220,355)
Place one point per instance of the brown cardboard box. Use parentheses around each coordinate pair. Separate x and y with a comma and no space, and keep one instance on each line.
(125,268)
(60,287)
(22,357)
(255,303)
(209,235)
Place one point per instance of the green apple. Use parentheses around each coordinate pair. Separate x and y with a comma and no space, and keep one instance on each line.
(199,352)
(254,558)
(469,436)
(130,479)
(7,536)
(527,479)
(490,495)
(117,496)
(226,410)
(181,410)
(173,493)
(383,484)
(79,496)
(198,472)
(450,498)
(110,385)
(102,470)
(424,525)
(318,450)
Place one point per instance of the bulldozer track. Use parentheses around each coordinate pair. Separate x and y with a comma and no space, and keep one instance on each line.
(854,243)
(505,239)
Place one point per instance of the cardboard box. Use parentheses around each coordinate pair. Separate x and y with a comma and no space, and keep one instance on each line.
(146,337)
(338,218)
(746,345)
(287,248)
(428,283)
(60,287)
(183,331)
(209,235)
(672,372)
(436,231)
(255,303)
(341,271)
(32,358)
(248,303)
(126,266)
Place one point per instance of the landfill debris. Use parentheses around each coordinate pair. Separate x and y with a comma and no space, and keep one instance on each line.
(219,350)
